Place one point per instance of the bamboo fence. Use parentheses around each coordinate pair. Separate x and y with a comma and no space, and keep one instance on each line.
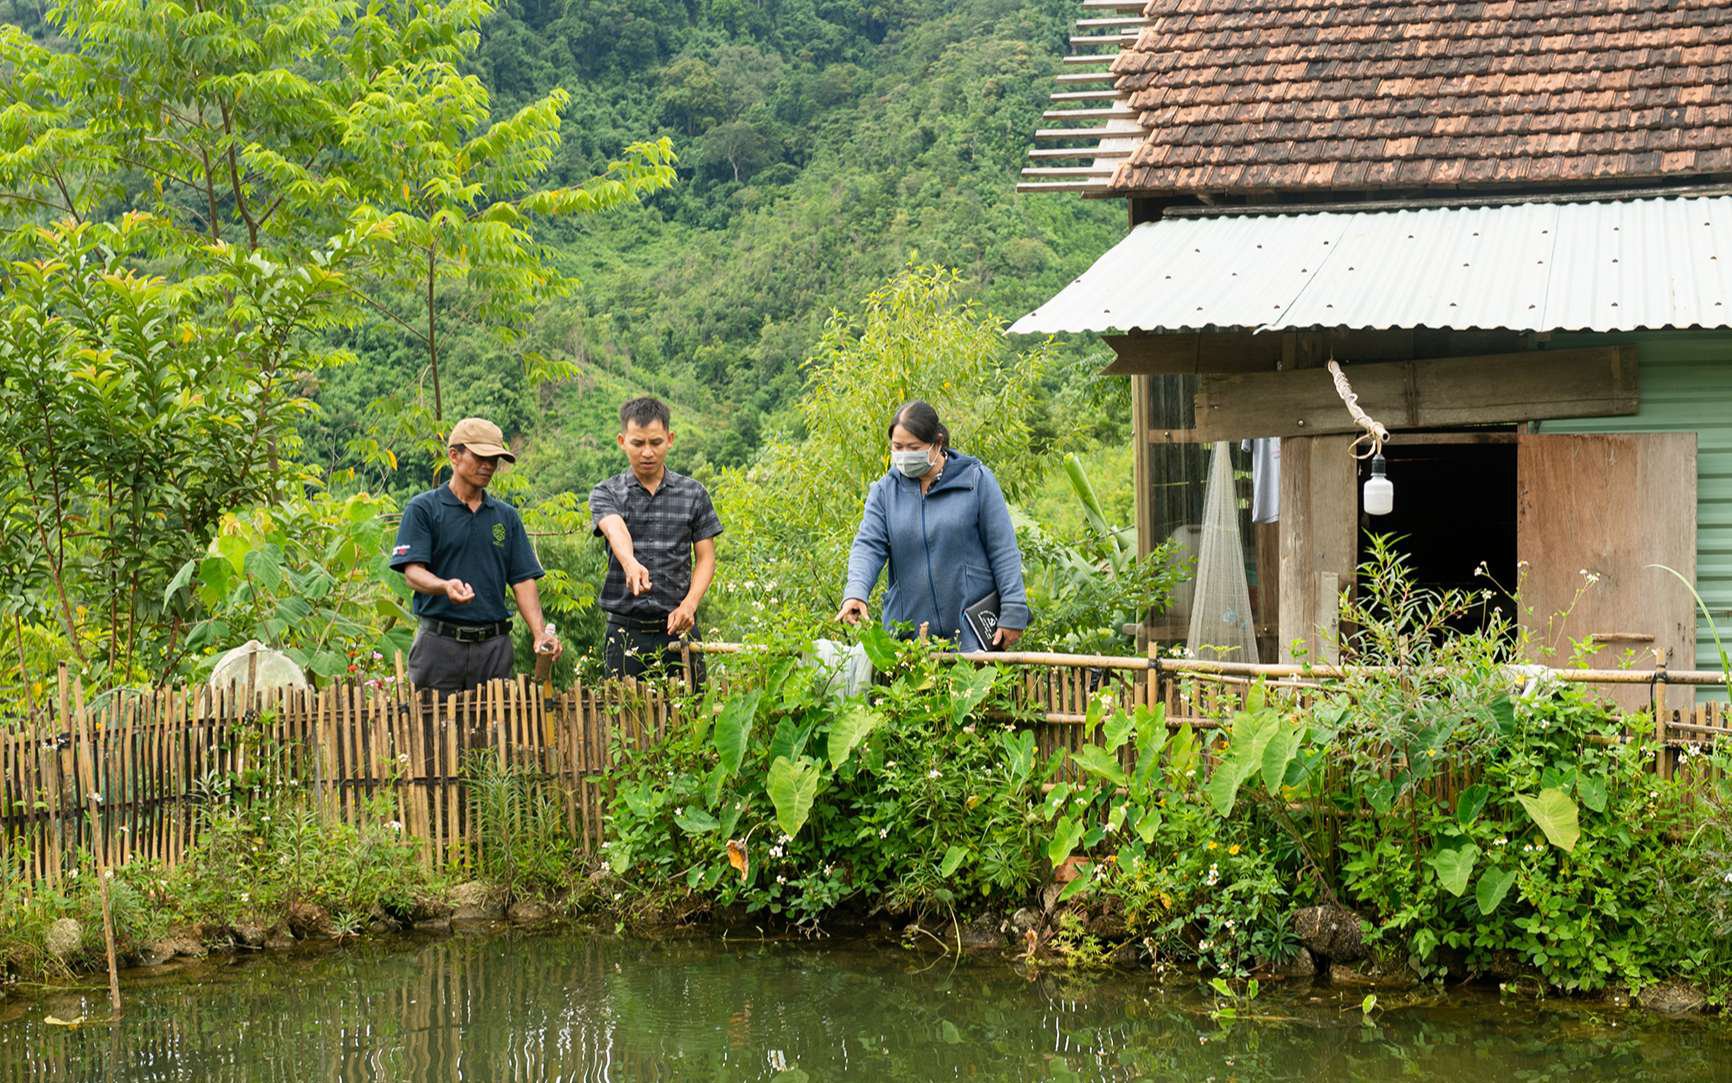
(126,776)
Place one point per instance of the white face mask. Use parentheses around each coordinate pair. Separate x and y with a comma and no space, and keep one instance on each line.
(914,463)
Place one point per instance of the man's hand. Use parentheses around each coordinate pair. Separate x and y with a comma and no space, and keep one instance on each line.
(637,579)
(548,645)
(459,592)
(680,621)
(1006,637)
(853,611)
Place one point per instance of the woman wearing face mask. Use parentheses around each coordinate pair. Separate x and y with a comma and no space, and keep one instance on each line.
(939,519)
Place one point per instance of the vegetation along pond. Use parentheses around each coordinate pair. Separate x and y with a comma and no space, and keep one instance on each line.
(570,1004)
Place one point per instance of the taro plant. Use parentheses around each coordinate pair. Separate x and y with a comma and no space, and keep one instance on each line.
(782,799)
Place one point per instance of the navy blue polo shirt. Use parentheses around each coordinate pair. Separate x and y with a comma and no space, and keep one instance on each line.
(486,548)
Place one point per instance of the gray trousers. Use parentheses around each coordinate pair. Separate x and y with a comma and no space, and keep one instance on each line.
(447,666)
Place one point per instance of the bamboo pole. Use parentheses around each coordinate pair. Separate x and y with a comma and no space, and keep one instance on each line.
(98,844)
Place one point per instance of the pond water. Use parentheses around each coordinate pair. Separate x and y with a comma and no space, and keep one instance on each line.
(571,1004)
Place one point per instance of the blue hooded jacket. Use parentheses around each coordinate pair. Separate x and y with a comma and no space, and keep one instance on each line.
(946,550)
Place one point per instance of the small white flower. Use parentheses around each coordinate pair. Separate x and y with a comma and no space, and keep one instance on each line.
(781,879)
(968,728)
(883,832)
(1203,945)
(1729,878)
(396,826)
(932,773)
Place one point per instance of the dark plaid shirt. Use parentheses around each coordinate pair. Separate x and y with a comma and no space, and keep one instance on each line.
(664,526)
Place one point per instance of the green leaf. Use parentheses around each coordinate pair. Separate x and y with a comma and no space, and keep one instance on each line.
(880,645)
(783,740)
(695,821)
(1380,795)
(1592,790)
(1503,713)
(1455,866)
(855,724)
(1098,761)
(792,785)
(948,1033)
(1555,814)
(952,858)
(1066,834)
(233,549)
(1494,884)
(734,729)
(1470,802)
(1118,729)
(1278,753)
(1084,880)
(180,580)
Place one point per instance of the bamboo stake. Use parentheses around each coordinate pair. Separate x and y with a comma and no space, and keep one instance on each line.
(98,846)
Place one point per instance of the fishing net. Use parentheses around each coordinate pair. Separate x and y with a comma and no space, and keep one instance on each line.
(1221,599)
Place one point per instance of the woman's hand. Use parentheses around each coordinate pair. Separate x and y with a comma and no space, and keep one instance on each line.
(1006,637)
(853,611)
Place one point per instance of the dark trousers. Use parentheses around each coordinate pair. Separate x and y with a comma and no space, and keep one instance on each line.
(635,648)
(447,666)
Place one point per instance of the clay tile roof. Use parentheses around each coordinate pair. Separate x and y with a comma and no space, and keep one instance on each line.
(1242,95)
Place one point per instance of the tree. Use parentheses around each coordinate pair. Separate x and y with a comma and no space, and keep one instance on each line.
(791,515)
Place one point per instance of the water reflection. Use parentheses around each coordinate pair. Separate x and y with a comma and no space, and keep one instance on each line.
(573,1005)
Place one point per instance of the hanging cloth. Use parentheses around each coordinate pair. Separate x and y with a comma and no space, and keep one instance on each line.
(1265,478)
(1221,604)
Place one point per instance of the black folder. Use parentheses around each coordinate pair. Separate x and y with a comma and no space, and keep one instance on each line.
(982,618)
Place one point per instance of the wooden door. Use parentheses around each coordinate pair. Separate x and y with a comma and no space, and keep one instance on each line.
(1593,514)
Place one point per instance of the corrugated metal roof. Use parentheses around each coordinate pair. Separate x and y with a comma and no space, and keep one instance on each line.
(1614,265)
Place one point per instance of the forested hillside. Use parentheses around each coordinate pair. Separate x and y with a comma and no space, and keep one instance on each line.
(821,144)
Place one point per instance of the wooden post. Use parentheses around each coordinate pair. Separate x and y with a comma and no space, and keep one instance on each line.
(1662,764)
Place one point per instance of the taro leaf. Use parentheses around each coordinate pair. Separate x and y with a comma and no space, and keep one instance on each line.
(1118,730)
(713,785)
(1181,754)
(1592,790)
(1470,802)
(1147,824)
(1251,735)
(731,817)
(1455,866)
(783,740)
(1555,814)
(968,686)
(1056,799)
(880,645)
(792,785)
(1278,753)
(734,728)
(1099,762)
(329,665)
(855,725)
(695,821)
(1066,835)
(694,876)
(952,858)
(1494,884)
(1085,880)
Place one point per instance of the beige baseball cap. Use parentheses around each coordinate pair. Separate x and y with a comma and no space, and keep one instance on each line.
(482,437)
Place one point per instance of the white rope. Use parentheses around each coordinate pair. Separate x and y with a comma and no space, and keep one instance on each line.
(1375,434)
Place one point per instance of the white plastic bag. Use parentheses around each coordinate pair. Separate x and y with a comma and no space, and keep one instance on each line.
(848,672)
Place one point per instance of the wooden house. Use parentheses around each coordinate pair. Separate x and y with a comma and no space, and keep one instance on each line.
(1511,223)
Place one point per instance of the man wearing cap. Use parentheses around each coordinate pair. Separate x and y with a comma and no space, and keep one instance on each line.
(459,549)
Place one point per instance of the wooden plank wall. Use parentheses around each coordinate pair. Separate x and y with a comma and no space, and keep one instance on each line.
(131,773)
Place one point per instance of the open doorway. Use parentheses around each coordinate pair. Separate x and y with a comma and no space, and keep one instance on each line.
(1455,508)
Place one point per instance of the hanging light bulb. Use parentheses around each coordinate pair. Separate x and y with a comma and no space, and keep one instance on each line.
(1379,490)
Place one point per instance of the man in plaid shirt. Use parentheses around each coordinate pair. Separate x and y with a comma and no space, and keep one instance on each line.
(661,531)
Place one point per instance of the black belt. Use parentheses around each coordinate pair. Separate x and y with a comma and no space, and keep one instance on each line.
(652,625)
(467,633)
